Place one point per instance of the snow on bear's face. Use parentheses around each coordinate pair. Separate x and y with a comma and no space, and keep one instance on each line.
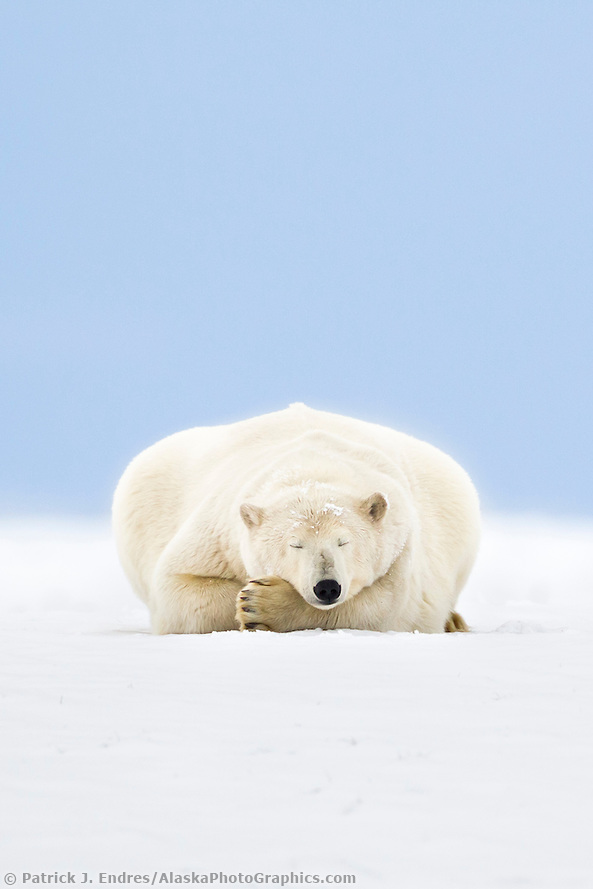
(329,547)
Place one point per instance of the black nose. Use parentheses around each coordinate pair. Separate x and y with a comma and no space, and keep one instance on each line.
(327,591)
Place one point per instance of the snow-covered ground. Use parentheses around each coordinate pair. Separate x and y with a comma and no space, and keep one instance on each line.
(405,760)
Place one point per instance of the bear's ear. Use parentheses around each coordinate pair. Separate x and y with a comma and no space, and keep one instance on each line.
(251,515)
(375,506)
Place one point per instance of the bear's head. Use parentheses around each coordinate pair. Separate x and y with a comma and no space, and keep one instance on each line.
(327,543)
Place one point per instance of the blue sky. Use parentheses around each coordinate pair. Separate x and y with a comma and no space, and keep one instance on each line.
(212,209)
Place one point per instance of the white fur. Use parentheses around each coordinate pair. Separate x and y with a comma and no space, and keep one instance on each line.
(303,495)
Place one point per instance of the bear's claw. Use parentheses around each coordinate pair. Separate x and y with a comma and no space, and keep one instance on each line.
(247,614)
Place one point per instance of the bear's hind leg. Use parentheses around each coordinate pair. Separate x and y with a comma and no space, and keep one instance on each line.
(456,624)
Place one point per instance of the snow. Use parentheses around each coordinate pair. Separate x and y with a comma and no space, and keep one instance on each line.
(458,760)
(332,508)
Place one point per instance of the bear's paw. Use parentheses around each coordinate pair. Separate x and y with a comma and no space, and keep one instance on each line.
(456,624)
(263,604)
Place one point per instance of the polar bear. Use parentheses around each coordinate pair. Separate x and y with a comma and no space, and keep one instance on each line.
(296,520)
